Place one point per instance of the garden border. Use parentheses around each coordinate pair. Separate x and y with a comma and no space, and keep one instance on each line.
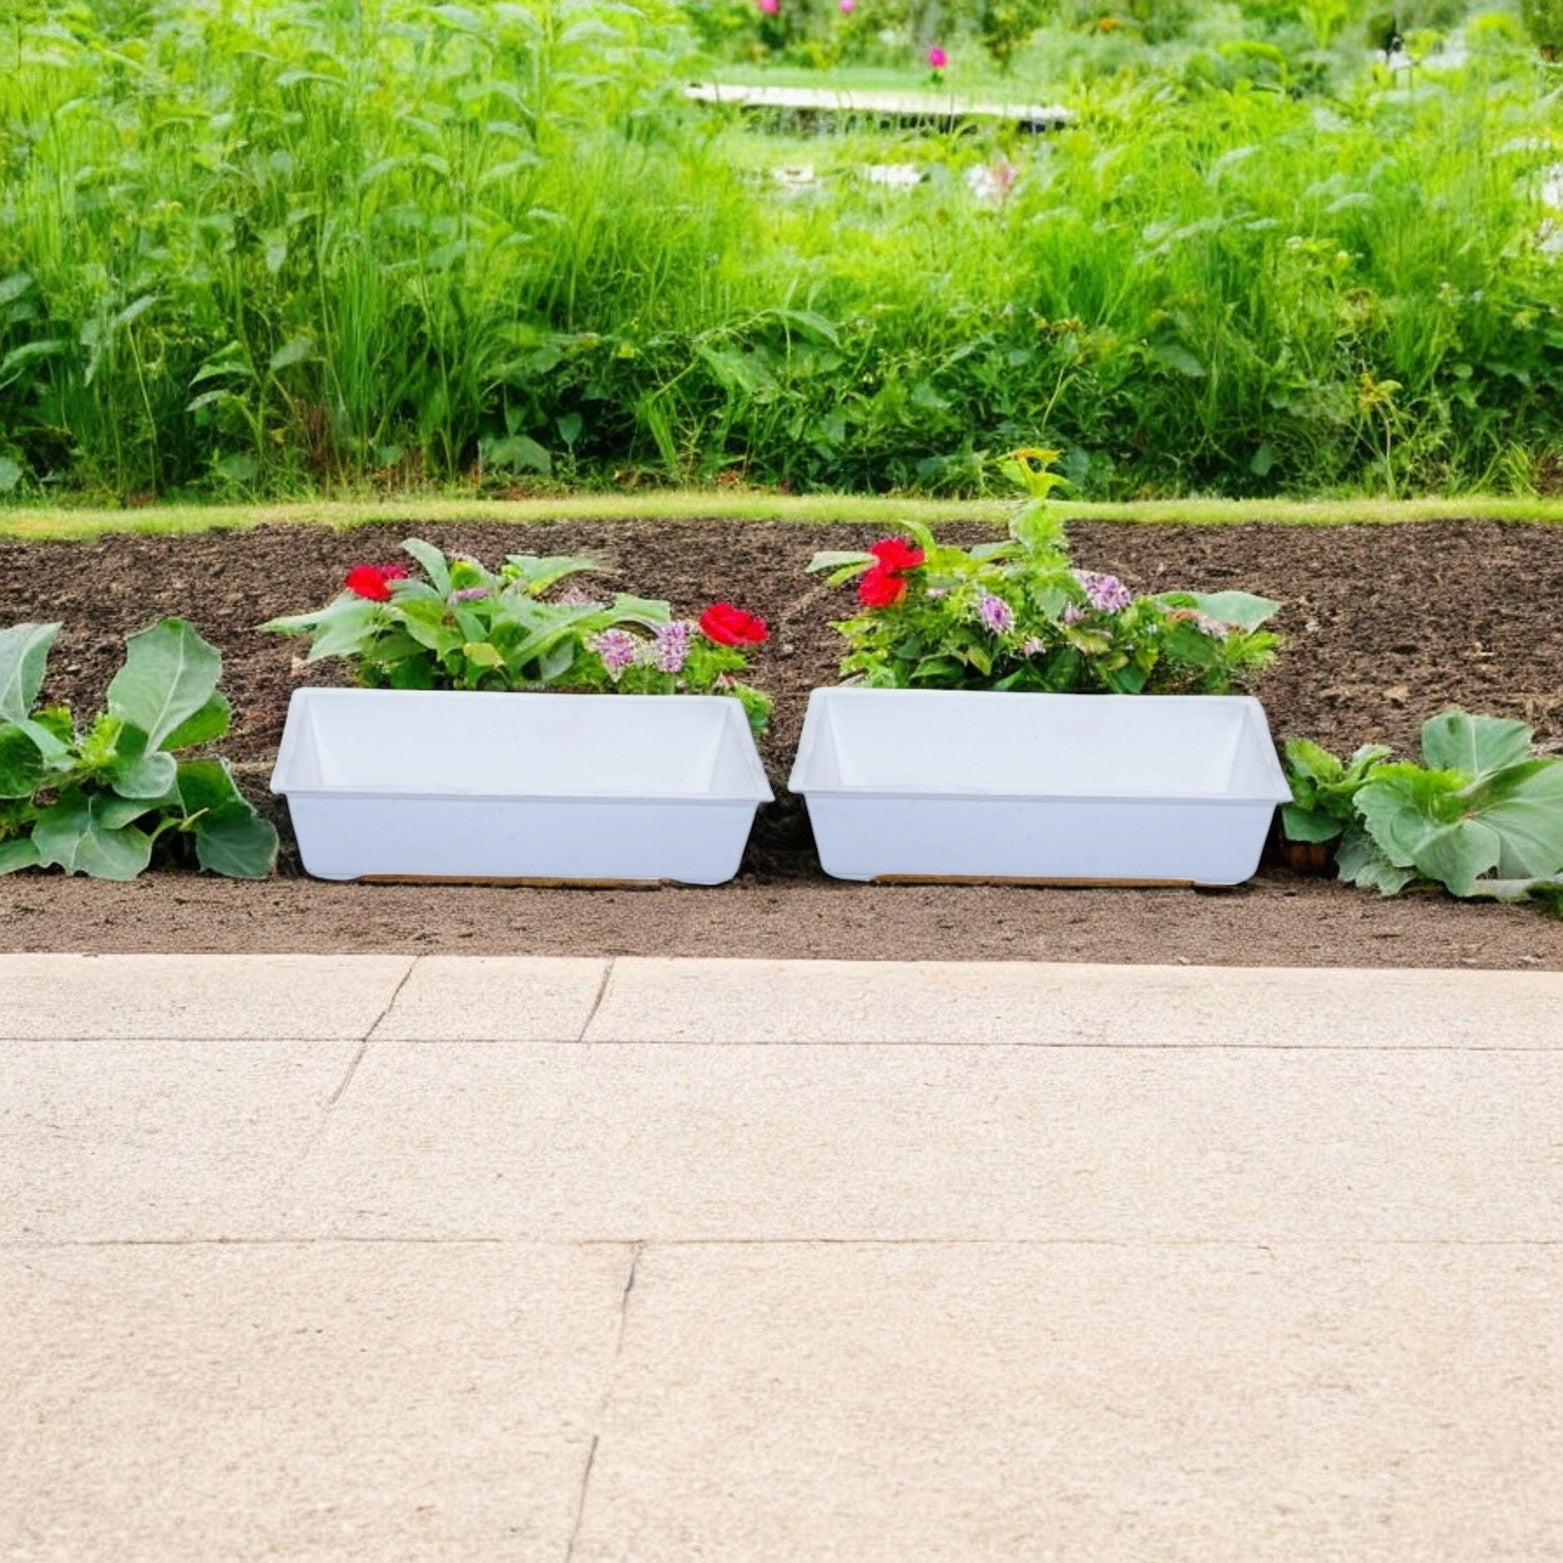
(68,524)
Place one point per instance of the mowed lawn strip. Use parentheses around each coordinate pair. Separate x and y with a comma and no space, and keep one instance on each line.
(68,524)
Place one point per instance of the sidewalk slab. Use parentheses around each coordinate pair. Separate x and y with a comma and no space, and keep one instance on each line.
(494,998)
(1054,1005)
(155,1141)
(341,1402)
(195,997)
(981,1405)
(645,1141)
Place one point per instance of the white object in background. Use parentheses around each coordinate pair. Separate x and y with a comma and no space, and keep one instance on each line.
(951,784)
(435,784)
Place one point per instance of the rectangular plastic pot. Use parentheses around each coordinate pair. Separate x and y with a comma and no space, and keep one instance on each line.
(955,785)
(416,784)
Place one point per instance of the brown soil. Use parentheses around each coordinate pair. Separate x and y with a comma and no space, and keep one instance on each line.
(1383,625)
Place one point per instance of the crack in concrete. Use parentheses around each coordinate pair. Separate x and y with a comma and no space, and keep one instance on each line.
(636,1250)
(602,993)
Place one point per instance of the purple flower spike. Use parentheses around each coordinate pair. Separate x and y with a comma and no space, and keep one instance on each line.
(670,646)
(1032,646)
(997,615)
(468,594)
(1106,593)
(617,648)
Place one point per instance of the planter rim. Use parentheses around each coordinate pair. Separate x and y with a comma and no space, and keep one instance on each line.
(1278,789)
(758,788)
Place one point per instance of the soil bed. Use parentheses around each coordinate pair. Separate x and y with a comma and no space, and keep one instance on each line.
(1384,626)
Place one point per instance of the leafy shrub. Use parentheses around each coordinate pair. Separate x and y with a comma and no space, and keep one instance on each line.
(1004,27)
(1482,815)
(1015,616)
(1544,22)
(98,800)
(465,627)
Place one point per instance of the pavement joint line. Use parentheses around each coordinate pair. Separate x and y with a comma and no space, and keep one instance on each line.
(636,1251)
(1245,1244)
(586,1025)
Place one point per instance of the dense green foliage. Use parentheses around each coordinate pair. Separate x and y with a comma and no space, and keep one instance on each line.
(270,246)
(99,798)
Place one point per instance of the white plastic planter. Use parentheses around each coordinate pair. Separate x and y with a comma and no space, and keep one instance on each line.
(393,784)
(1138,789)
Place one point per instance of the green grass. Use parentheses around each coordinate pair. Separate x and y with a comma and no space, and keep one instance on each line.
(274,249)
(57,525)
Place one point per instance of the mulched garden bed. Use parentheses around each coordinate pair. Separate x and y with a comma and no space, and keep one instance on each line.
(1384,626)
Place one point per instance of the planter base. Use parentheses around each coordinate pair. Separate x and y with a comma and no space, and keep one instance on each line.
(1045,883)
(532,884)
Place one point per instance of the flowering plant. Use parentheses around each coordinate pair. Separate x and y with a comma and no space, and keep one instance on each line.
(1014,615)
(459,625)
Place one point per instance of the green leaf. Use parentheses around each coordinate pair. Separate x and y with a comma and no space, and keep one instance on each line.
(1476,745)
(90,836)
(1457,855)
(537,574)
(640,610)
(24,653)
(1173,355)
(294,351)
(10,474)
(142,773)
(210,722)
(205,785)
(1307,759)
(1308,824)
(22,767)
(169,674)
(235,842)
(1243,609)
(18,854)
(1403,805)
(433,562)
(517,453)
(1528,818)
(481,654)
(343,628)
(832,560)
(1359,862)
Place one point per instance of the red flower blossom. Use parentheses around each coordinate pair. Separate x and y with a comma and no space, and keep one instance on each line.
(730,626)
(896,555)
(374,580)
(880,589)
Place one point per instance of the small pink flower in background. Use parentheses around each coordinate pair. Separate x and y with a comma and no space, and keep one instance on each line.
(937,58)
(847,7)
(770,7)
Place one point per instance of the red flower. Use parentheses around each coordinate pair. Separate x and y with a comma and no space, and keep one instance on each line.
(880,589)
(730,626)
(374,580)
(897,555)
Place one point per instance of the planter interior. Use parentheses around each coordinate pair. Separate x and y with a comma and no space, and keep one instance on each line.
(1133,789)
(524,787)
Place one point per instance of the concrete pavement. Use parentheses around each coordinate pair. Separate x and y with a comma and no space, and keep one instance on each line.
(383,1258)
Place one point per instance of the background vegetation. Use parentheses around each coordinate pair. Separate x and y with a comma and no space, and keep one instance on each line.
(267,247)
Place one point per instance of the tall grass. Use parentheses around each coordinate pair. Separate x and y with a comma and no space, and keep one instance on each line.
(278,246)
